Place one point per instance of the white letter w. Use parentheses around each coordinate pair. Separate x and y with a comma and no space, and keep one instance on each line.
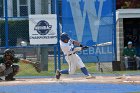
(80,16)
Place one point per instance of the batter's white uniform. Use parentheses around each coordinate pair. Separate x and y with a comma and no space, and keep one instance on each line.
(73,60)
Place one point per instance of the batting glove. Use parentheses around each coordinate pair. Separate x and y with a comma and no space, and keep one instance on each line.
(85,47)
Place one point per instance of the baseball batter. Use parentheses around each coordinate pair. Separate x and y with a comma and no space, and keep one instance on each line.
(74,61)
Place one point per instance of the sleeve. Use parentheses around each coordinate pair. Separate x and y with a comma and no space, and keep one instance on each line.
(124,51)
(75,49)
(76,43)
(69,48)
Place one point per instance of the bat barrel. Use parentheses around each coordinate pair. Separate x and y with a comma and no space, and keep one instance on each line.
(103,44)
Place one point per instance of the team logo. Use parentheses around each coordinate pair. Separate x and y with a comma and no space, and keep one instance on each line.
(43,27)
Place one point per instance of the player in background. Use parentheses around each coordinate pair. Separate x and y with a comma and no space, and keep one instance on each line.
(74,61)
(129,52)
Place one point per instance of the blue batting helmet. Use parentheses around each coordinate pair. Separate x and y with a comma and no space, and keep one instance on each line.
(64,36)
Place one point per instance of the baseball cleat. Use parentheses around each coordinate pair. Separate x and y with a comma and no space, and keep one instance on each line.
(1,79)
(58,74)
(9,79)
(119,77)
(90,76)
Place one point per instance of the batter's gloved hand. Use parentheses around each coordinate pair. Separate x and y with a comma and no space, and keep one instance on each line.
(37,67)
(85,47)
(81,45)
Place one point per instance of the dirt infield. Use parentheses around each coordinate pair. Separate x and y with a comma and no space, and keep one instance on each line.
(68,79)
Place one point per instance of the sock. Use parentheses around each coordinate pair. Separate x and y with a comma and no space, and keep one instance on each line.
(64,71)
(84,70)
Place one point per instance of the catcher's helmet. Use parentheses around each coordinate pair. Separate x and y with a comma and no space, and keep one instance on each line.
(64,36)
(9,52)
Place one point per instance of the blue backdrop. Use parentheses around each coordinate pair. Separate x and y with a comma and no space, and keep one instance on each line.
(91,22)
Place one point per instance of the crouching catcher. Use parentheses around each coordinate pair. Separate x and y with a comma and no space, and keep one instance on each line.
(8,66)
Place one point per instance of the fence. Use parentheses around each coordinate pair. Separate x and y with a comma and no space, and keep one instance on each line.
(14,33)
(91,22)
(14,29)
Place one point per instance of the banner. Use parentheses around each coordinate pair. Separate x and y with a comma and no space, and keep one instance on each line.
(91,22)
(43,29)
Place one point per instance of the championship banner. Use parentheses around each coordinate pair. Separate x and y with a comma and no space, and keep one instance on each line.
(91,22)
(43,29)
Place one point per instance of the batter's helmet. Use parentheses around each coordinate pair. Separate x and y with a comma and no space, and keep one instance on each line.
(64,36)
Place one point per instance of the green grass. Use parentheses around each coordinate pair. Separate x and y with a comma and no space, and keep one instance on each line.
(28,70)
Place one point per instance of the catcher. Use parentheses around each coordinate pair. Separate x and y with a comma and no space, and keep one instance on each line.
(9,69)
(73,60)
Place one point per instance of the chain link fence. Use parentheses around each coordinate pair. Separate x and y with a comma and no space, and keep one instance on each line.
(14,34)
(14,29)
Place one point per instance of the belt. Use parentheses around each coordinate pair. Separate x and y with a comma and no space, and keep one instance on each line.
(69,54)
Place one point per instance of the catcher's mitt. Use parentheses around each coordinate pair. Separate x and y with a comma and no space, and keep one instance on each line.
(37,67)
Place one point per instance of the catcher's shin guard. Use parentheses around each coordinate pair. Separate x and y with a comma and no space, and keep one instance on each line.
(15,69)
(10,77)
(58,74)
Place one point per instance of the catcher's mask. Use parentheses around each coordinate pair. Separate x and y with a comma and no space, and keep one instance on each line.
(9,52)
(64,36)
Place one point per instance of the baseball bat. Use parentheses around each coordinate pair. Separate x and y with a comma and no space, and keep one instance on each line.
(102,44)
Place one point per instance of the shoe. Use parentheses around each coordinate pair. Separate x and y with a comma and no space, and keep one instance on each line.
(138,68)
(90,76)
(120,77)
(1,79)
(58,74)
(128,68)
(9,79)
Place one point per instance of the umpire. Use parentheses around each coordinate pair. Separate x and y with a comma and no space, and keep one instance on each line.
(7,66)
